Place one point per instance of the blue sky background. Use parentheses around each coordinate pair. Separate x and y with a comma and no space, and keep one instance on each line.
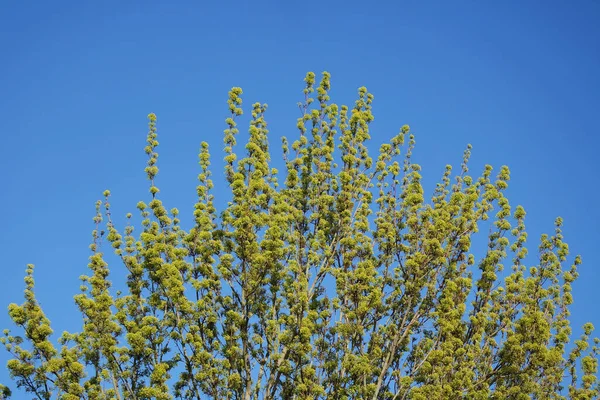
(519,80)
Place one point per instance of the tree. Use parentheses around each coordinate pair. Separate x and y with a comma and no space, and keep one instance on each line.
(341,283)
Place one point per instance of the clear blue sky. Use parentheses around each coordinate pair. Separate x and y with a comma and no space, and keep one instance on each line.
(519,80)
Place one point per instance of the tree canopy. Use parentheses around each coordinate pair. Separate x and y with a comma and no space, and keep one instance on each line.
(335,278)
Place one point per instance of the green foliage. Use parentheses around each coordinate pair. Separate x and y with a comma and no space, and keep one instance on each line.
(342,282)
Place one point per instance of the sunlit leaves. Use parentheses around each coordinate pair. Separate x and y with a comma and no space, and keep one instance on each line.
(344,282)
